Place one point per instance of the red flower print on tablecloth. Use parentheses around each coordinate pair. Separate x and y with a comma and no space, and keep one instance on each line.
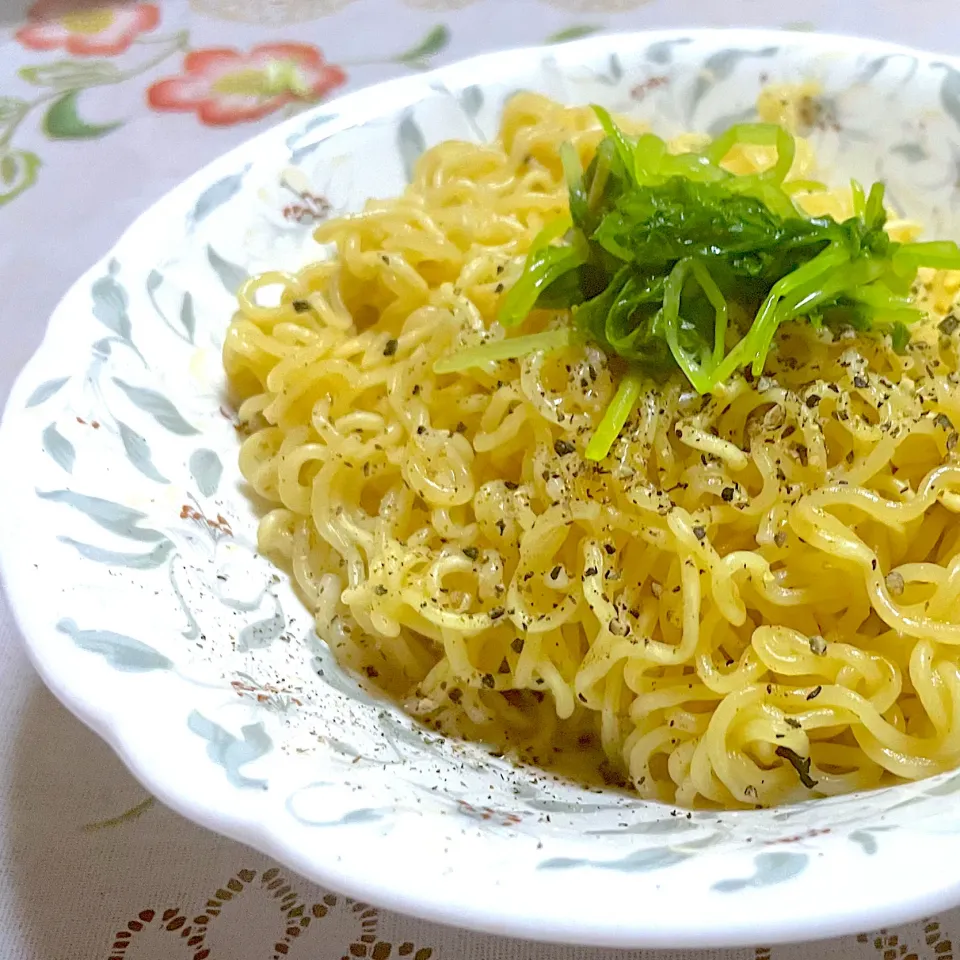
(226,86)
(86,28)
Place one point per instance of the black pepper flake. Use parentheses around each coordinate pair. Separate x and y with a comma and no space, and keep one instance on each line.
(510,485)
(498,288)
(555,572)
(371,672)
(948,324)
(471,552)
(501,526)
(699,532)
(517,645)
(380,590)
(390,348)
(727,494)
(590,572)
(815,692)
(812,401)
(563,447)
(461,427)
(456,695)
(792,723)
(301,306)
(800,764)
(527,576)
(497,613)
(860,382)
(504,666)
(788,432)
(610,548)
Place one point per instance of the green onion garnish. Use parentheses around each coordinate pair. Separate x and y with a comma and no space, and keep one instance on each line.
(658,248)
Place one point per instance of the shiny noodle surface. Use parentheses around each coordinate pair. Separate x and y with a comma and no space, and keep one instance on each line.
(752,600)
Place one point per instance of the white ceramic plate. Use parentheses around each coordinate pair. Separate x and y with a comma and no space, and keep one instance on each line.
(127,542)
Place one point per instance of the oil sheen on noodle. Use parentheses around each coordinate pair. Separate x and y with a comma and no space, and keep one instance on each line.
(751,580)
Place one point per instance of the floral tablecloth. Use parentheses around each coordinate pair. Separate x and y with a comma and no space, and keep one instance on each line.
(102,110)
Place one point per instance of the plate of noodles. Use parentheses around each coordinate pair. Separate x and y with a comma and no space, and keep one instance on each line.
(526,495)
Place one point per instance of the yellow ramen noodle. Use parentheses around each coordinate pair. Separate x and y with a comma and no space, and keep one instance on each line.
(752,600)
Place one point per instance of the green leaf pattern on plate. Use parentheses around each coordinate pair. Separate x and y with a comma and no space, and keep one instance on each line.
(471,100)
(217,195)
(950,92)
(134,561)
(138,452)
(59,447)
(640,861)
(411,143)
(230,275)
(45,391)
(118,519)
(911,151)
(768,869)
(186,315)
(121,652)
(206,470)
(158,406)
(260,634)
(718,67)
(661,52)
(232,752)
(110,306)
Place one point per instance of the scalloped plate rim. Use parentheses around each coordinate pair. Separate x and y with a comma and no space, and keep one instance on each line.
(237,821)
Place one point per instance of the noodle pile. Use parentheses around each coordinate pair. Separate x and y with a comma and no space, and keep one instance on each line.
(752,600)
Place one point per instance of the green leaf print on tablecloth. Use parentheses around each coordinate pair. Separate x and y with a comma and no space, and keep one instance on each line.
(63,122)
(573,33)
(18,170)
(61,83)
(419,55)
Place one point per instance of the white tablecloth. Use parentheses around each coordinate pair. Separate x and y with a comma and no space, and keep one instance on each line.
(91,867)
